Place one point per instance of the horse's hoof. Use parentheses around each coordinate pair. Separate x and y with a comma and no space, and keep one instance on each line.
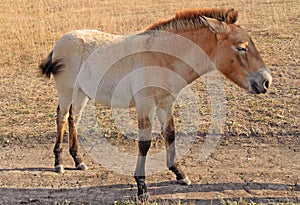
(82,166)
(59,169)
(144,197)
(185,181)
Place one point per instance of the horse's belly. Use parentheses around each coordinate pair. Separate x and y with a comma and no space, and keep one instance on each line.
(115,98)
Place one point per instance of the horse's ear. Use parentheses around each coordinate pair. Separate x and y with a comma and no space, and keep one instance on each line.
(214,25)
(231,16)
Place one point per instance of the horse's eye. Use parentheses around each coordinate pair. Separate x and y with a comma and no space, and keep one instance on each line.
(241,49)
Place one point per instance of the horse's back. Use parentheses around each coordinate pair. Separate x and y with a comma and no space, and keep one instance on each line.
(79,44)
(73,49)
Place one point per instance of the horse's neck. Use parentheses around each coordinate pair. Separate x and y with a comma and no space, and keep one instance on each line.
(204,38)
(200,53)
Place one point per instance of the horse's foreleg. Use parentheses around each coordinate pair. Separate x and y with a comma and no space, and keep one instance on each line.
(169,135)
(144,145)
(74,115)
(61,124)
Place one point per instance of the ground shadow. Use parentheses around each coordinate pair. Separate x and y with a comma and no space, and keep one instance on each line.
(34,169)
(126,192)
(29,169)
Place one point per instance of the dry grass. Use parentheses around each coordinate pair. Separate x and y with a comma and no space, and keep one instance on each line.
(31,28)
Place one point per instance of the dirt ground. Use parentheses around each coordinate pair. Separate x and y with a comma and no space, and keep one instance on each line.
(258,172)
(256,159)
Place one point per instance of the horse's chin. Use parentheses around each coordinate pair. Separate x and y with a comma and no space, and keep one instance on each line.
(254,89)
(257,91)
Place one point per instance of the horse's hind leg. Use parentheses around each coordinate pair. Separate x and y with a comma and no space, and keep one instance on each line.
(78,104)
(168,131)
(61,121)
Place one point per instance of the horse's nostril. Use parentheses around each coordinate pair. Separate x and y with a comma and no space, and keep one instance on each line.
(266,84)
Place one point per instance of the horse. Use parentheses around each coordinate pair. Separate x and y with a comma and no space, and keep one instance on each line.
(89,64)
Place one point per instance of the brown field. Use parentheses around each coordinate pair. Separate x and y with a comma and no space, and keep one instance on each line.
(257,159)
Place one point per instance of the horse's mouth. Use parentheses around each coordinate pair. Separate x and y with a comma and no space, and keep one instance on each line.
(256,89)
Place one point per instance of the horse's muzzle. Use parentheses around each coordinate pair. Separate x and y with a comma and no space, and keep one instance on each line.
(259,82)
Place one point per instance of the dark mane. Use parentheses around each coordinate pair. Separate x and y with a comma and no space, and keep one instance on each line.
(194,18)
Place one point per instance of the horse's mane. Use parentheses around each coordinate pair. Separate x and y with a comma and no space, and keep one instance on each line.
(194,18)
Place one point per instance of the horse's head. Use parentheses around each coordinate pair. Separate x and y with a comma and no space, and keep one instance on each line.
(238,59)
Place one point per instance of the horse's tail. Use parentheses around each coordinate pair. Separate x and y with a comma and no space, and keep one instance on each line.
(48,66)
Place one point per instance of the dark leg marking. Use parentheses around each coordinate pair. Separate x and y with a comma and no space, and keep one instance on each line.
(142,188)
(61,123)
(169,135)
(144,145)
(180,175)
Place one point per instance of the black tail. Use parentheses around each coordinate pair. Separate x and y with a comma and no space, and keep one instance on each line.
(48,66)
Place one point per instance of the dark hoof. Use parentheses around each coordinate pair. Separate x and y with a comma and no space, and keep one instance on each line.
(144,197)
(59,169)
(185,181)
(82,166)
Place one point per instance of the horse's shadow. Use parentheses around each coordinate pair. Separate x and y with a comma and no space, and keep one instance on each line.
(109,194)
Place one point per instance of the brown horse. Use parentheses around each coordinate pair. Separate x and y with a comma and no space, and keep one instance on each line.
(173,53)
